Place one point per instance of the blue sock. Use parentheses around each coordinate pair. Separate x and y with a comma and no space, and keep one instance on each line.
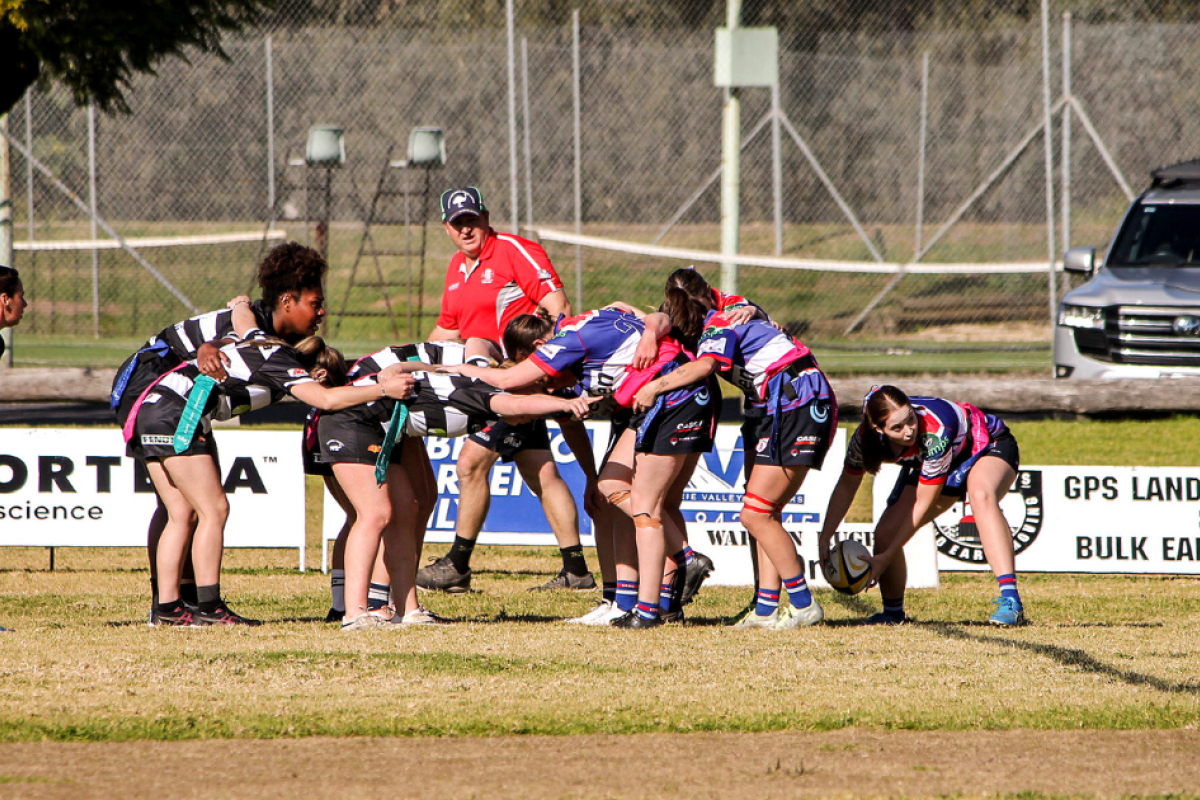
(798,593)
(1008,586)
(610,591)
(626,595)
(894,607)
(665,598)
(646,610)
(684,556)
(768,602)
(377,595)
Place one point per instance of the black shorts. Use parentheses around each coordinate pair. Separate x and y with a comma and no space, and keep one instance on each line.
(310,447)
(688,427)
(507,439)
(154,431)
(349,438)
(797,438)
(1003,446)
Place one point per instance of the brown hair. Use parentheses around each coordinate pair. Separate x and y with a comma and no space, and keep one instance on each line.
(313,353)
(289,269)
(10,281)
(687,316)
(878,405)
(523,331)
(692,282)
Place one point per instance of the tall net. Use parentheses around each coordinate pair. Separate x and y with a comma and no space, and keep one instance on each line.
(883,119)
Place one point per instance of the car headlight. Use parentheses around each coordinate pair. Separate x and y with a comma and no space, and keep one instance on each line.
(1080,316)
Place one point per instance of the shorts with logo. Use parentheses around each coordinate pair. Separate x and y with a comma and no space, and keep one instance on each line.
(352,436)
(154,431)
(1003,446)
(507,439)
(685,427)
(799,437)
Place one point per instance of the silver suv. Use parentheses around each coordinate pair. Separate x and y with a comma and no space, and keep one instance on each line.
(1139,315)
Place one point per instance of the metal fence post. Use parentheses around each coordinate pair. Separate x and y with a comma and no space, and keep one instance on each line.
(575,82)
(1049,151)
(270,77)
(513,176)
(91,117)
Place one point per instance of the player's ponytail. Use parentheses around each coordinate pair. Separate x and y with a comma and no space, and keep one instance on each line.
(692,282)
(687,316)
(524,331)
(878,405)
(314,354)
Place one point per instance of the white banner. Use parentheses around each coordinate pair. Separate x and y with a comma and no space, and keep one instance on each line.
(76,488)
(1143,520)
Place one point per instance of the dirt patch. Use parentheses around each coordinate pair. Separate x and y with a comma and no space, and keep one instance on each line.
(849,763)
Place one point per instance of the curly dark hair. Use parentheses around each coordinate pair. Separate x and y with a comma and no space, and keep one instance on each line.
(289,269)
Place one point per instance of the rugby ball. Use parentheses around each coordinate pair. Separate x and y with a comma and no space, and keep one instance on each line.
(845,569)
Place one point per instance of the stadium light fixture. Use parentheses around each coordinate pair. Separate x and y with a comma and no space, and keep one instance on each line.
(326,146)
(426,147)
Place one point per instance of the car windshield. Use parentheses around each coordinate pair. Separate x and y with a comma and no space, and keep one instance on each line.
(1159,235)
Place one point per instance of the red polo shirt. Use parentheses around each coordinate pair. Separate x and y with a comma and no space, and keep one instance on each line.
(511,277)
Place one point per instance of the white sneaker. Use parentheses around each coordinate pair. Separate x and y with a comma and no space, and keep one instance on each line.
(421,616)
(753,620)
(365,621)
(602,615)
(790,617)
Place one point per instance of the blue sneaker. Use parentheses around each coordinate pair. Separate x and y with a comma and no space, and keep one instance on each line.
(1009,612)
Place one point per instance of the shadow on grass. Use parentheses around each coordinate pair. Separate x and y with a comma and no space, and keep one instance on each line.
(1067,656)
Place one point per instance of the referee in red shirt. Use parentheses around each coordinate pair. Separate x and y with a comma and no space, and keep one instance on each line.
(493,278)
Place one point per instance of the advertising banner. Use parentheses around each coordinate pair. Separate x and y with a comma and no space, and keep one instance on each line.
(76,488)
(1084,519)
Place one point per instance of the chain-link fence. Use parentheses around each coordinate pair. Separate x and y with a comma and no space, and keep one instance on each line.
(876,126)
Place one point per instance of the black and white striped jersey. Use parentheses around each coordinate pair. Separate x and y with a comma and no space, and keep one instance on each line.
(443,405)
(258,376)
(184,338)
(434,353)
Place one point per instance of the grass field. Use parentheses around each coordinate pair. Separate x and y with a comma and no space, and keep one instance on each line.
(944,707)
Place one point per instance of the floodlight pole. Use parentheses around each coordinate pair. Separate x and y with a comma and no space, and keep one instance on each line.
(731,167)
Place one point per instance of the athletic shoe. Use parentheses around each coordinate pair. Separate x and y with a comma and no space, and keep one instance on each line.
(333,615)
(1009,612)
(421,616)
(6,630)
(790,617)
(603,614)
(752,620)
(185,617)
(221,615)
(631,620)
(567,580)
(443,576)
(695,573)
(669,617)
(364,621)
(884,618)
(745,612)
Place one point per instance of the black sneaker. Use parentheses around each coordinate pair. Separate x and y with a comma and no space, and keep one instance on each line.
(183,617)
(567,580)
(333,615)
(221,615)
(671,616)
(443,576)
(695,573)
(635,621)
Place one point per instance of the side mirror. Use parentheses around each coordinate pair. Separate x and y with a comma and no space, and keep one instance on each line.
(1080,260)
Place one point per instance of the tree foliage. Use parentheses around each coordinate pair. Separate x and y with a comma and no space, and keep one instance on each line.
(95,47)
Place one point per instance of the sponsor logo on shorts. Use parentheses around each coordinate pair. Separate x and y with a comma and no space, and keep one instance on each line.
(702,397)
(156,438)
(819,411)
(690,426)
(763,444)
(374,448)
(297,372)
(334,446)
